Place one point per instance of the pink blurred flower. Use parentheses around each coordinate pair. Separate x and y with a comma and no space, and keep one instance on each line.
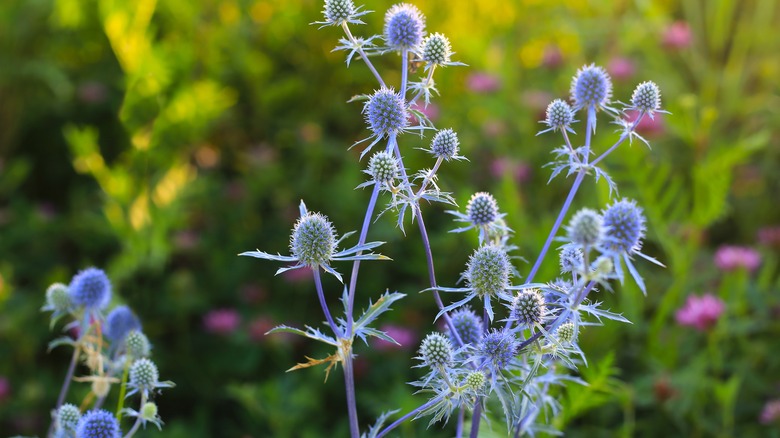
(677,36)
(621,68)
(252,293)
(298,275)
(5,389)
(552,56)
(404,336)
(771,412)
(769,236)
(92,92)
(493,128)
(700,312)
(221,321)
(731,258)
(519,170)
(431,111)
(186,240)
(481,82)
(259,327)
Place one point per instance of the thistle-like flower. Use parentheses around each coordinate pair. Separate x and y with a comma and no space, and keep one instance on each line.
(647,99)
(565,333)
(145,378)
(475,381)
(383,167)
(468,326)
(571,259)
(497,350)
(445,145)
(90,288)
(404,27)
(313,244)
(98,424)
(481,213)
(436,351)
(120,322)
(559,116)
(341,12)
(386,113)
(58,301)
(586,228)
(68,416)
(528,308)
(591,87)
(437,51)
(137,345)
(625,228)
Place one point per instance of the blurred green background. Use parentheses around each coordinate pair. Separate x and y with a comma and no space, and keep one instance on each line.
(157,139)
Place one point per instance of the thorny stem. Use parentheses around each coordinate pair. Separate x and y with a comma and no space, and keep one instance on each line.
(349,384)
(318,283)
(363,55)
(398,422)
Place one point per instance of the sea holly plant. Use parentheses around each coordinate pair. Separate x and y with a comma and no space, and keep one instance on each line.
(114,352)
(507,339)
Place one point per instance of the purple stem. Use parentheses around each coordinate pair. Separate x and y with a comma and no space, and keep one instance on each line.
(475,418)
(349,384)
(356,264)
(364,57)
(318,283)
(461,417)
(398,422)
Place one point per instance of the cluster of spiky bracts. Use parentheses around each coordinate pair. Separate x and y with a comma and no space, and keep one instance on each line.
(522,337)
(114,352)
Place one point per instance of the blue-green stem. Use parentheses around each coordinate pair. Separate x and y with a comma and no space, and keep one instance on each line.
(404,71)
(363,55)
(349,385)
(321,295)
(461,417)
(475,418)
(356,263)
(138,419)
(411,414)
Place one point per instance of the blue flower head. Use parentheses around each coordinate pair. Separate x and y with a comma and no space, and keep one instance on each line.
(436,49)
(436,351)
(404,26)
(145,378)
(646,97)
(482,208)
(386,112)
(98,424)
(559,116)
(468,326)
(625,227)
(591,88)
(120,322)
(137,345)
(90,288)
(528,308)
(445,144)
(571,259)
(586,228)
(313,239)
(68,416)
(383,167)
(488,271)
(497,349)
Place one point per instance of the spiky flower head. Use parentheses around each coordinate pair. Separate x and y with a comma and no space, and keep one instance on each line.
(404,26)
(68,416)
(571,258)
(625,227)
(498,347)
(646,97)
(338,11)
(144,375)
(591,87)
(603,266)
(149,411)
(383,167)
(436,350)
(436,49)
(586,228)
(565,333)
(386,112)
(482,208)
(98,424)
(445,144)
(90,288)
(468,326)
(137,345)
(58,298)
(120,322)
(313,239)
(488,270)
(475,380)
(528,307)
(559,115)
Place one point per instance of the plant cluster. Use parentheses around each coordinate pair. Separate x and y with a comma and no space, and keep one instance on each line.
(482,359)
(115,351)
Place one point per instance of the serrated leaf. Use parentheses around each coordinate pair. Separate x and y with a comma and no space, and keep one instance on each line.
(310,333)
(375,309)
(63,340)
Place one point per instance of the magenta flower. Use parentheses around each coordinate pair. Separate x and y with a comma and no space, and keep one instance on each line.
(621,68)
(5,389)
(221,321)
(647,127)
(552,56)
(771,412)
(431,111)
(520,171)
(677,36)
(731,258)
(404,336)
(769,236)
(700,312)
(483,82)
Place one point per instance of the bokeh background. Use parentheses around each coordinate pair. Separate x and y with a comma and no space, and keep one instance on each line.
(157,139)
